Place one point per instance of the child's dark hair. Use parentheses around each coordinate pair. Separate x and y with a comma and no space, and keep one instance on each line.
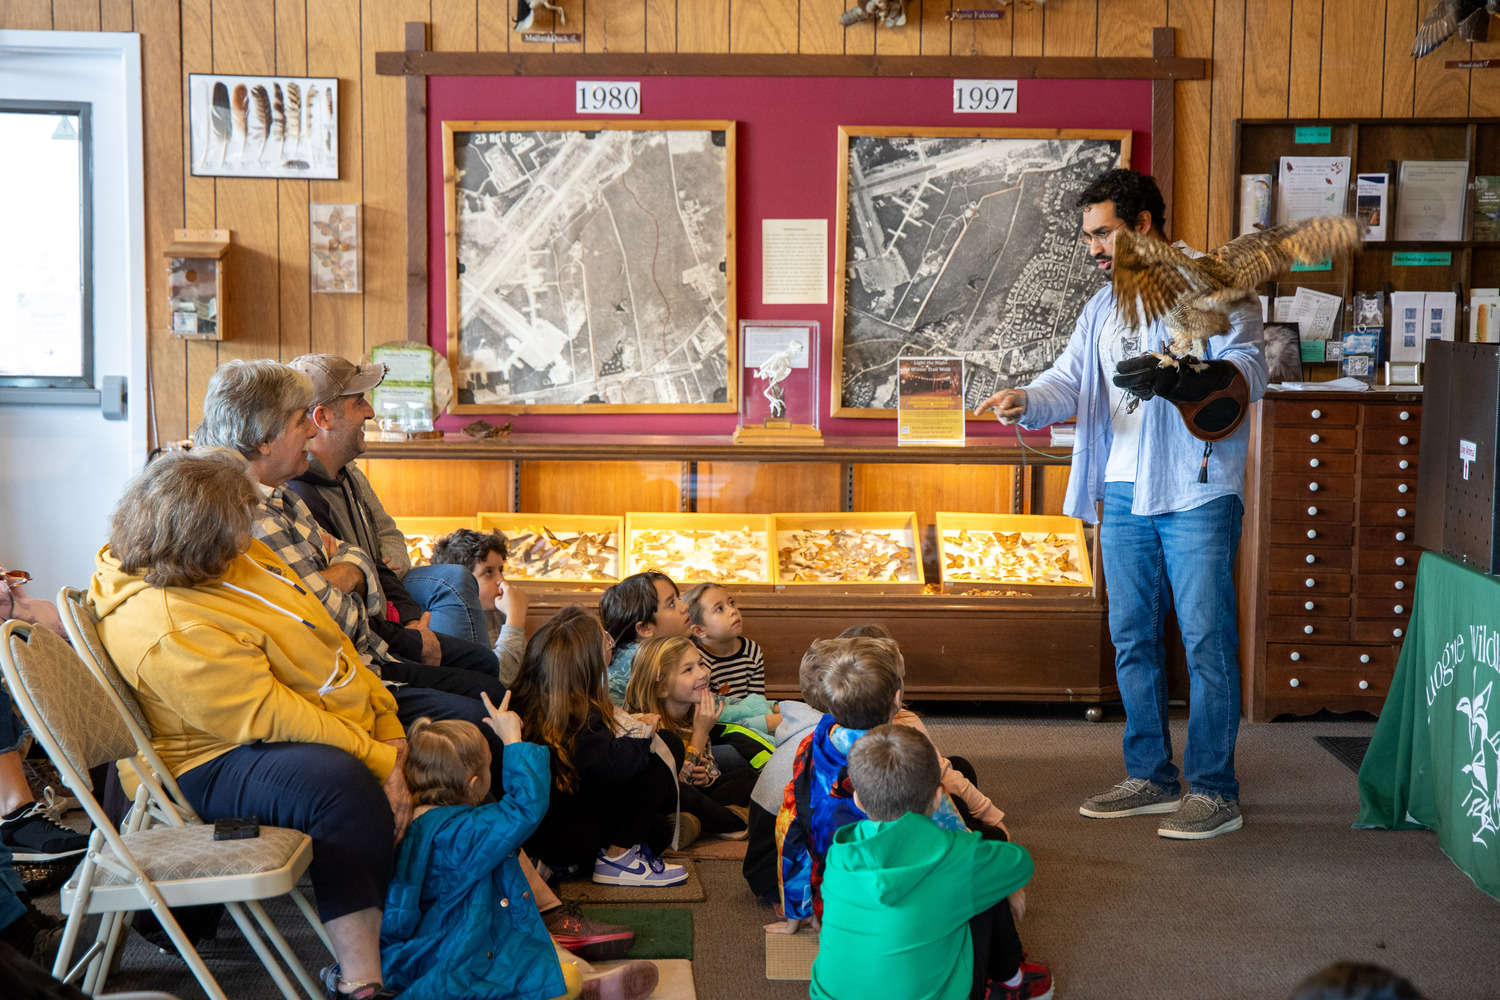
(1348,981)
(441,758)
(694,600)
(629,603)
(895,770)
(1132,193)
(861,681)
(468,548)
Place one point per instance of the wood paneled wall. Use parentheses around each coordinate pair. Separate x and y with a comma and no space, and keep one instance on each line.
(1270,58)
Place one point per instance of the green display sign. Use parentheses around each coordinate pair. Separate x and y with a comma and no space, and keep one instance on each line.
(1424,258)
(1326,264)
(1314,134)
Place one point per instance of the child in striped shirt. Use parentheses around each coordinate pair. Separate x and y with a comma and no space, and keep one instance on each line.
(718,629)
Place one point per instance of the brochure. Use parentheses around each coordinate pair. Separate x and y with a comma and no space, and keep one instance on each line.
(1311,186)
(1370,204)
(1408,339)
(930,401)
(1486,207)
(1431,199)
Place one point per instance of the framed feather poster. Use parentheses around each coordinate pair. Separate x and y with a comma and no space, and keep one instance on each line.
(263,126)
(590,266)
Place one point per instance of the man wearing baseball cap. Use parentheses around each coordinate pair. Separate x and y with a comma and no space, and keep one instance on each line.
(345,505)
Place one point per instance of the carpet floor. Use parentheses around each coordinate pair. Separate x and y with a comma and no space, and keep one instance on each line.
(1115,910)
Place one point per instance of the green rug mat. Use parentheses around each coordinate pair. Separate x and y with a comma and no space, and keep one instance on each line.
(659,932)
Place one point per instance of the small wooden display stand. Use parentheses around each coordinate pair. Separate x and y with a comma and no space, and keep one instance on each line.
(775,432)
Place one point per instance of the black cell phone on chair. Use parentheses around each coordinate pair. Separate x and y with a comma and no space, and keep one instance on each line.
(236,828)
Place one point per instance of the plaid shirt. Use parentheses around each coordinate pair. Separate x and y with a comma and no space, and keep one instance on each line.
(284,522)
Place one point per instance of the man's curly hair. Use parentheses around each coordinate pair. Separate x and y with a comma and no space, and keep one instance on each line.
(1132,192)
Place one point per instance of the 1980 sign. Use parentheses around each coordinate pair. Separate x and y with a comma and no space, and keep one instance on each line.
(608,97)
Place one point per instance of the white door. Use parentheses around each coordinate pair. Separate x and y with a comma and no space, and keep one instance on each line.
(62,466)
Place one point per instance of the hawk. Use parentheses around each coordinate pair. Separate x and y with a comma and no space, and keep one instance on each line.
(1470,18)
(1194,296)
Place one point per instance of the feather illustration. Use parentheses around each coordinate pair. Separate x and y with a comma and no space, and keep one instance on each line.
(310,121)
(239,115)
(328,121)
(262,119)
(293,118)
(219,118)
(278,113)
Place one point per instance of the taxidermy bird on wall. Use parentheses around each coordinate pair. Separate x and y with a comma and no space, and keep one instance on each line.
(526,13)
(1469,18)
(1194,296)
(892,12)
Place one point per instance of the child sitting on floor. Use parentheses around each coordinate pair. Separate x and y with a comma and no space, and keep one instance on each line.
(611,788)
(910,909)
(735,663)
(457,876)
(861,684)
(671,681)
(483,553)
(639,607)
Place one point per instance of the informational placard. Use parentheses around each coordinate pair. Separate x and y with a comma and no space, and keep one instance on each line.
(930,401)
(1431,199)
(794,261)
(984,97)
(1310,186)
(607,97)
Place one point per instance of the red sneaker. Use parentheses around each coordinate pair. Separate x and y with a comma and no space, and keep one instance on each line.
(585,937)
(1036,984)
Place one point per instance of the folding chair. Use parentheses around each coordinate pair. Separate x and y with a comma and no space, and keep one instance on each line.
(80,724)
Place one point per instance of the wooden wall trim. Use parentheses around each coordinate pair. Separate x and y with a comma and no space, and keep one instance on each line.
(411,63)
(1163,116)
(415,36)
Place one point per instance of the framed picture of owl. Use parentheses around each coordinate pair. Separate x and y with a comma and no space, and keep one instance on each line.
(263,126)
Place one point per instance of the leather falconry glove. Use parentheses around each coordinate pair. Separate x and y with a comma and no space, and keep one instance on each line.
(1211,395)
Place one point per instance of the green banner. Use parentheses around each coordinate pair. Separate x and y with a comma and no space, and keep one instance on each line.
(1326,264)
(1313,134)
(1425,258)
(1432,761)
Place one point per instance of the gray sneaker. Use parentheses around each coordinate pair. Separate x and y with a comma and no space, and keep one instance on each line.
(1131,797)
(1202,816)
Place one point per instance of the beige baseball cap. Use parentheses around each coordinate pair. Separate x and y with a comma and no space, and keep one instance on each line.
(333,376)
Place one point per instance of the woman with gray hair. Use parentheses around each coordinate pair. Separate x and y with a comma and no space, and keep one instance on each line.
(258,704)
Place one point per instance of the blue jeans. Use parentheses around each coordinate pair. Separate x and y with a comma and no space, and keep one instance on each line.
(451,594)
(1192,553)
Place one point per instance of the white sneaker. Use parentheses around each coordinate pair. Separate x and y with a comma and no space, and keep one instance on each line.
(637,866)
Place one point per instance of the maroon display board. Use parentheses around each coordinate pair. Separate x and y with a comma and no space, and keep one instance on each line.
(787,168)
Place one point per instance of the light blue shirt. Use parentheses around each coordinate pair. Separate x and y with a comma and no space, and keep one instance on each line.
(1169,459)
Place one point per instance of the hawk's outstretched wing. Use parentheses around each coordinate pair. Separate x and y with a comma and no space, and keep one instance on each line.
(1444,19)
(1151,275)
(1257,257)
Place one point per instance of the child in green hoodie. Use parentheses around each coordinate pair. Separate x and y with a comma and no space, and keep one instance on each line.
(909,908)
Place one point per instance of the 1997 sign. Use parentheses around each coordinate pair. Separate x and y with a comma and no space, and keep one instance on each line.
(985,97)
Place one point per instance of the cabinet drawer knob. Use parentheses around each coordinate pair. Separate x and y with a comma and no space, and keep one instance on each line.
(1364,685)
(1312,512)
(1296,656)
(1311,558)
(1312,462)
(1396,632)
(1403,464)
(1400,536)
(1317,414)
(1399,609)
(1405,415)
(1307,630)
(1309,605)
(1311,533)
(1294,682)
(1402,488)
(1314,439)
(1400,560)
(1400,511)
(1400,584)
(1313,487)
(1310,582)
(1405,440)
(1364,657)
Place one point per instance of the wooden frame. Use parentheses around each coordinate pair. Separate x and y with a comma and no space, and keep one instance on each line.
(224,108)
(841,241)
(729,404)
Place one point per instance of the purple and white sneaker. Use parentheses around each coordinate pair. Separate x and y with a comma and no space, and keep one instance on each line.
(637,866)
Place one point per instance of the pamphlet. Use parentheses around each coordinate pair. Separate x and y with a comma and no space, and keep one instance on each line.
(930,401)
(1486,207)
(1311,186)
(1361,357)
(1431,199)
(1370,204)
(1484,317)
(1408,339)
(1315,313)
(1255,203)
(1442,311)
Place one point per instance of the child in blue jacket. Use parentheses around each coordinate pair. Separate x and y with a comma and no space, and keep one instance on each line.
(459,918)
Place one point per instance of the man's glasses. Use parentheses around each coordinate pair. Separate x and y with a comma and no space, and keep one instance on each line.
(1100,237)
(16,577)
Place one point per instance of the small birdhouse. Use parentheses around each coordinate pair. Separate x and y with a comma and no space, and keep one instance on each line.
(195,282)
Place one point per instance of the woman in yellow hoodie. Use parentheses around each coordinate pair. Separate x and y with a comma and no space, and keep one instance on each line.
(256,701)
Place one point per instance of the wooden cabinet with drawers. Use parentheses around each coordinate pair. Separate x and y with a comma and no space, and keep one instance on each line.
(1328,559)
